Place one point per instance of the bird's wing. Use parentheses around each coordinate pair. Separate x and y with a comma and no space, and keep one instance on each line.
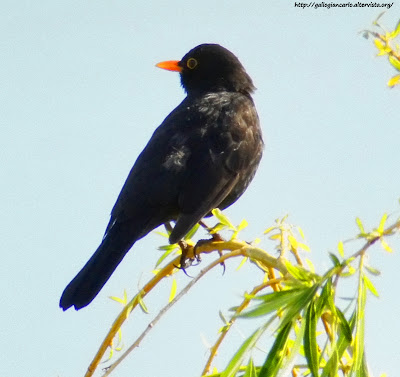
(152,186)
(228,152)
(190,165)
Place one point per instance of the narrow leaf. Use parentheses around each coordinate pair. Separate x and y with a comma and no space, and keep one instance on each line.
(169,249)
(394,81)
(244,260)
(173,290)
(342,343)
(394,62)
(370,286)
(334,259)
(250,370)
(243,224)
(293,242)
(299,272)
(396,31)
(341,249)
(381,226)
(310,340)
(360,225)
(323,299)
(303,246)
(123,300)
(192,232)
(269,229)
(364,368)
(274,301)
(358,347)
(277,352)
(142,304)
(242,352)
(379,45)
(386,246)
(223,218)
(372,270)
(345,327)
(296,307)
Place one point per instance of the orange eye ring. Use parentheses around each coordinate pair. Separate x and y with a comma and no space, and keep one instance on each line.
(191,63)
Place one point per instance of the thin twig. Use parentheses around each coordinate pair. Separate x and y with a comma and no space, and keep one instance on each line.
(248,250)
(185,290)
(240,308)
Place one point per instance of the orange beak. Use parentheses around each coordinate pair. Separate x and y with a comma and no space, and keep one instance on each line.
(170,65)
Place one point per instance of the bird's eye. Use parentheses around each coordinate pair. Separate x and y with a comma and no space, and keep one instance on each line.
(191,63)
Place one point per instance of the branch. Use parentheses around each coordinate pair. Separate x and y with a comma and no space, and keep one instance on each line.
(236,247)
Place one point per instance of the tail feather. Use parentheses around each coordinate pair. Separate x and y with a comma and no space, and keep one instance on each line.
(89,281)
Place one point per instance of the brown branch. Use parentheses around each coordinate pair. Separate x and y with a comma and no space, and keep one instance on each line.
(241,307)
(246,250)
(151,325)
(167,270)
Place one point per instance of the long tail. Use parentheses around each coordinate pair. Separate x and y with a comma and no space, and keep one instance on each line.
(91,279)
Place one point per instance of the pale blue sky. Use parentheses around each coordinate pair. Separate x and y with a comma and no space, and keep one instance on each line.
(80,97)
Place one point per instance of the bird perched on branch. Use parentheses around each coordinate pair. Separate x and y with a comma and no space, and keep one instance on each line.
(203,156)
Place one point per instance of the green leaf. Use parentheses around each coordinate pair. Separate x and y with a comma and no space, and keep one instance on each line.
(310,340)
(243,224)
(394,62)
(370,286)
(342,343)
(377,18)
(162,234)
(379,45)
(242,352)
(345,327)
(169,249)
(364,368)
(358,348)
(217,228)
(293,242)
(241,264)
(141,303)
(360,225)
(300,273)
(323,299)
(372,270)
(386,246)
(334,259)
(123,300)
(294,349)
(341,249)
(296,307)
(394,81)
(250,370)
(381,226)
(173,290)
(303,246)
(192,232)
(277,352)
(395,32)
(271,228)
(222,218)
(274,301)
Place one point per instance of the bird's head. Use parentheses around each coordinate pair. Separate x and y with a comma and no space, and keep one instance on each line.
(210,68)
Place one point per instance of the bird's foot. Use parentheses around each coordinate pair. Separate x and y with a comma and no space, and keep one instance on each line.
(215,238)
(185,262)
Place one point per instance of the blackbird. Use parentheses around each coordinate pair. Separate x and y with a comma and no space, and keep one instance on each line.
(203,156)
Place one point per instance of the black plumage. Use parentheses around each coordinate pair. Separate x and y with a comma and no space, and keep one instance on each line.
(203,156)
